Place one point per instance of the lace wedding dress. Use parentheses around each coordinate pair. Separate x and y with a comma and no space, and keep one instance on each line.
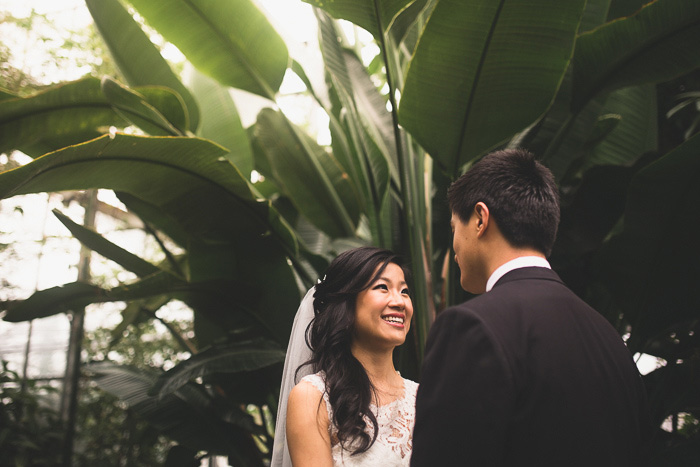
(395,438)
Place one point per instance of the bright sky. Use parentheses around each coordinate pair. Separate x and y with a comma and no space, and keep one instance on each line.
(293,19)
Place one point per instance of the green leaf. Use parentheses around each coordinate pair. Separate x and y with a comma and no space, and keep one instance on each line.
(484,70)
(221,122)
(62,115)
(230,40)
(133,107)
(654,277)
(77,295)
(637,132)
(620,8)
(657,43)
(168,103)
(178,175)
(363,135)
(308,175)
(376,16)
(139,61)
(135,312)
(410,18)
(155,217)
(672,389)
(49,302)
(189,416)
(230,358)
(109,250)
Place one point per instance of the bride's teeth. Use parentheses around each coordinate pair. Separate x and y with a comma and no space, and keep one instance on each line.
(393,319)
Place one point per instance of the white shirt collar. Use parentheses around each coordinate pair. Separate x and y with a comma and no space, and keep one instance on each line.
(517,263)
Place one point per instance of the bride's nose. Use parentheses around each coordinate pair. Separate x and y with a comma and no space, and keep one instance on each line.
(396,300)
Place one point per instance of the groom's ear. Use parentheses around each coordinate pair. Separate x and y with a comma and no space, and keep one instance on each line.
(481,218)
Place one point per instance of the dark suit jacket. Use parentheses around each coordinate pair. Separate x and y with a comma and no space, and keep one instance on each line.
(528,374)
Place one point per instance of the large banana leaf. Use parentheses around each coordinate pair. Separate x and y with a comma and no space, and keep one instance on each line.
(308,175)
(221,122)
(230,40)
(620,8)
(483,70)
(185,177)
(66,114)
(363,131)
(134,108)
(238,357)
(653,266)
(657,43)
(376,16)
(139,61)
(409,23)
(243,283)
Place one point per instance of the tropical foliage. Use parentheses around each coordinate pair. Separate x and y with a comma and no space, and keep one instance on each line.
(585,85)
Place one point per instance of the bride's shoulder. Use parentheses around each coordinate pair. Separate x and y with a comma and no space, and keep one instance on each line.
(316,380)
(411,387)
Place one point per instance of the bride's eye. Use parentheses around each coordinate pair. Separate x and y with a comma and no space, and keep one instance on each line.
(381,286)
(405,291)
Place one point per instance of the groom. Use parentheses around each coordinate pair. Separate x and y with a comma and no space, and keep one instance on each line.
(526,374)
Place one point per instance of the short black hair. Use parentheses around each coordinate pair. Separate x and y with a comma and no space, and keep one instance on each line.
(519,191)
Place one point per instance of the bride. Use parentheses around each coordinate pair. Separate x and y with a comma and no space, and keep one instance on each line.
(354,409)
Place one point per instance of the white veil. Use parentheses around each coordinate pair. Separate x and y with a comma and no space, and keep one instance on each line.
(297,353)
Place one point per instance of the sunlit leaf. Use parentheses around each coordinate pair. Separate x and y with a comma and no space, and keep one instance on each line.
(62,115)
(133,107)
(139,61)
(230,40)
(373,15)
(221,122)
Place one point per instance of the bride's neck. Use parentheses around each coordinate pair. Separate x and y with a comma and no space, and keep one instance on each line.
(378,365)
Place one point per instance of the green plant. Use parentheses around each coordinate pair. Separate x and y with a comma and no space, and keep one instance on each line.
(576,82)
(30,427)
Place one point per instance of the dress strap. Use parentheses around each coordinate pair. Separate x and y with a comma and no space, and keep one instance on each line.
(317,381)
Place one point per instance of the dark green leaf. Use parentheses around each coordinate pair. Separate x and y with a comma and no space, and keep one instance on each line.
(49,302)
(188,416)
(653,266)
(109,250)
(232,358)
(655,44)
(475,60)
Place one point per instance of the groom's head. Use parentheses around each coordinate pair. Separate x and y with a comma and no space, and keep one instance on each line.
(507,196)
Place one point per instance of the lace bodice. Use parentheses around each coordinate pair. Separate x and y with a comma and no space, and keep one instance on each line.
(395,438)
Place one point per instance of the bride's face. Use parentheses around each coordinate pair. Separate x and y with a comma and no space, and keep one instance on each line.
(383,311)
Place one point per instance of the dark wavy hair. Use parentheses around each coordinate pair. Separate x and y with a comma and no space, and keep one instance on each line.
(329,336)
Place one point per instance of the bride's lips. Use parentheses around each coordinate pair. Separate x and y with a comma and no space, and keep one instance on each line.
(394,319)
